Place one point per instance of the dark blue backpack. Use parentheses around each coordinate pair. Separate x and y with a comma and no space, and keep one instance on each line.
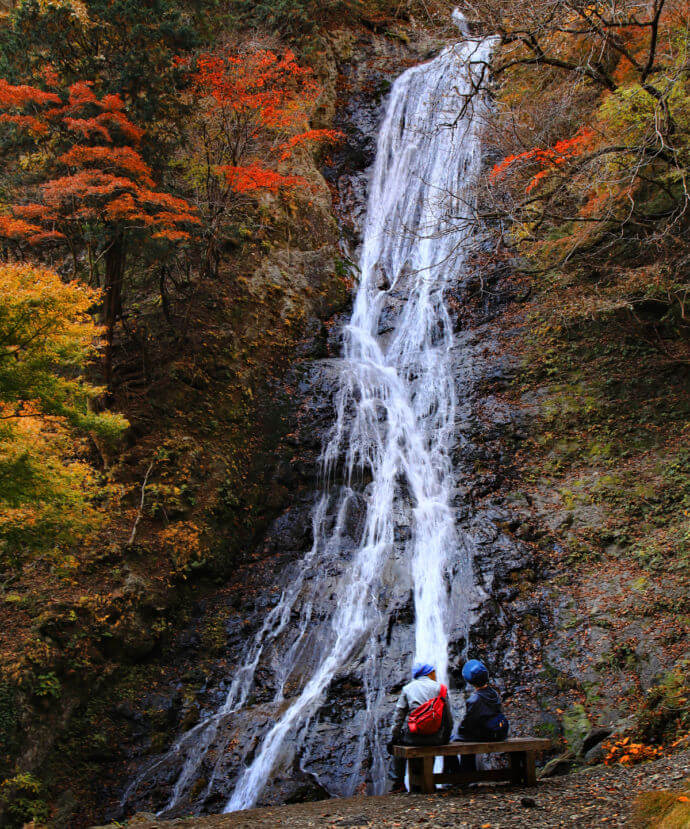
(497,727)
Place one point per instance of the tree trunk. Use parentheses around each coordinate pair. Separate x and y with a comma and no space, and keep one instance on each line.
(112,304)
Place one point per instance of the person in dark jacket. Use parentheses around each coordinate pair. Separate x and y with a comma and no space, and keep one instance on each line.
(484,719)
(423,687)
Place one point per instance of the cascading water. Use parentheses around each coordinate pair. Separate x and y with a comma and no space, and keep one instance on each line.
(387,458)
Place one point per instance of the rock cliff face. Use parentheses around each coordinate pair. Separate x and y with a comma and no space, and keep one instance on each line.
(523,615)
(510,610)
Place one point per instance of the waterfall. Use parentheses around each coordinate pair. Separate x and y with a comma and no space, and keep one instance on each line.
(396,406)
(387,458)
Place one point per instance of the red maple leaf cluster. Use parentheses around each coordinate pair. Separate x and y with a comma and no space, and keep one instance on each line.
(100,177)
(259,104)
(547,158)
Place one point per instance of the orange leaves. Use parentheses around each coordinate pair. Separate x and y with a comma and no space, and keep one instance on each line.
(261,83)
(16,228)
(50,76)
(314,136)
(46,237)
(33,211)
(75,113)
(112,103)
(262,102)
(254,178)
(80,93)
(122,159)
(627,753)
(108,180)
(128,130)
(172,235)
(100,125)
(22,95)
(27,122)
(124,207)
(549,158)
(83,185)
(168,217)
(166,200)
(110,197)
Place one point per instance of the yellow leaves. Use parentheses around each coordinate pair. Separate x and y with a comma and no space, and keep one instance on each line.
(46,481)
(33,161)
(42,313)
(183,542)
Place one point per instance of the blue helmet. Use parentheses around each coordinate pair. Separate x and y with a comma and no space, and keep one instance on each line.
(422,669)
(475,672)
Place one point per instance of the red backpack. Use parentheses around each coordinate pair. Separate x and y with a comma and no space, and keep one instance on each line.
(427,718)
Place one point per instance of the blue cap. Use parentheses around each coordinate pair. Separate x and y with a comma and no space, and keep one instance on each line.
(422,669)
(475,672)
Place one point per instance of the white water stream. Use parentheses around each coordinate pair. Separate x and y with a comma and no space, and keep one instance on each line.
(388,453)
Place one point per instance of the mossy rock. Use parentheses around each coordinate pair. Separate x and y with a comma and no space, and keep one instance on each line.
(576,726)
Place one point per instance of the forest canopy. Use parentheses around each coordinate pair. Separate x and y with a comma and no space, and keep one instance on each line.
(592,131)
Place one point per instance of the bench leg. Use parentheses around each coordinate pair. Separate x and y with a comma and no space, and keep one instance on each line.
(517,767)
(428,786)
(414,770)
(530,768)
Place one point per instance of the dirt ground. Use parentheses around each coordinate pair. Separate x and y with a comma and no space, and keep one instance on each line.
(598,797)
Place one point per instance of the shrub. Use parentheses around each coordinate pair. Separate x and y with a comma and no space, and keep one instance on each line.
(662,810)
(666,712)
(21,797)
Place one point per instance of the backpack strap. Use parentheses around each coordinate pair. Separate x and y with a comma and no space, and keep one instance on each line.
(444,692)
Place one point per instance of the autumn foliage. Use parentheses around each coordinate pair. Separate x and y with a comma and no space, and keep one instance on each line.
(98,177)
(546,159)
(627,752)
(593,181)
(256,108)
(47,336)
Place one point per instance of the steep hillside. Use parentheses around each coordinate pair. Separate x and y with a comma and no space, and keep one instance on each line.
(586,200)
(204,370)
(154,496)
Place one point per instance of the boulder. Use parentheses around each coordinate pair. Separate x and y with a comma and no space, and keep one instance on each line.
(558,765)
(593,738)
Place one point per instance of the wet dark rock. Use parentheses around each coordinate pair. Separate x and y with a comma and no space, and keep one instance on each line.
(595,755)
(488,523)
(126,712)
(162,709)
(594,737)
(306,792)
(314,344)
(290,531)
(191,640)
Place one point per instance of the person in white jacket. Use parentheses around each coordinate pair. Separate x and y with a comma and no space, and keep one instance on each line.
(423,687)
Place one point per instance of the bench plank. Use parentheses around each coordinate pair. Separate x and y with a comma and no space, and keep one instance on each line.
(499,747)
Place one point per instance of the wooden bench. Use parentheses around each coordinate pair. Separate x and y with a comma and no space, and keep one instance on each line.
(522,750)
